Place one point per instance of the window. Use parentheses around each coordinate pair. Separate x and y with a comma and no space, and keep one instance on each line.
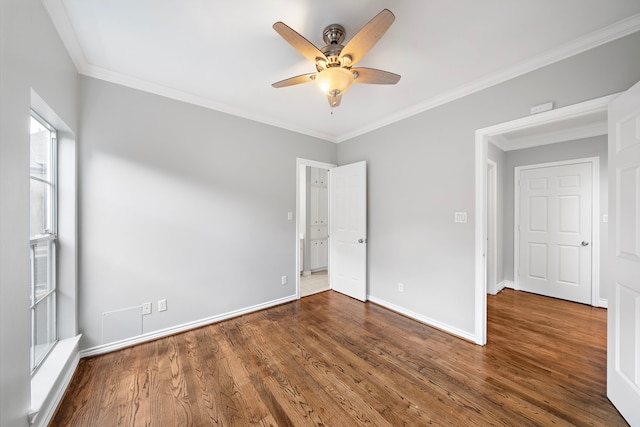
(43,238)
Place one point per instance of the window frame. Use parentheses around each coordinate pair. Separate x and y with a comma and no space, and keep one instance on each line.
(50,237)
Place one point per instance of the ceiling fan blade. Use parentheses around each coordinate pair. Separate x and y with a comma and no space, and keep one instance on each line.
(303,78)
(369,35)
(374,76)
(302,45)
(334,100)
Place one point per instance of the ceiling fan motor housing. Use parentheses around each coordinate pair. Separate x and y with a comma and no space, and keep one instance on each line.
(333,34)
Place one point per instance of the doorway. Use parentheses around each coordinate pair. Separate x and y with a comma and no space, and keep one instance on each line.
(346,226)
(576,113)
(556,229)
(312,222)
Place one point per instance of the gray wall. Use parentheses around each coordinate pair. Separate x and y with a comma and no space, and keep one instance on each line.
(498,156)
(582,148)
(188,204)
(31,57)
(183,203)
(421,171)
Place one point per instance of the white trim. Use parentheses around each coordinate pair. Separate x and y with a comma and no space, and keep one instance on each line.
(300,168)
(595,222)
(481,241)
(596,260)
(505,284)
(193,99)
(508,284)
(597,38)
(49,384)
(423,319)
(499,287)
(583,108)
(580,132)
(481,145)
(604,303)
(107,348)
(61,21)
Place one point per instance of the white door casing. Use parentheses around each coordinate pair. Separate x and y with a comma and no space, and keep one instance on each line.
(348,230)
(553,230)
(481,143)
(623,329)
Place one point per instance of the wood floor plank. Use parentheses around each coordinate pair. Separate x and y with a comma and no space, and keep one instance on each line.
(329,360)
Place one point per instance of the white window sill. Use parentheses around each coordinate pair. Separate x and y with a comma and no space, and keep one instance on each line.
(49,382)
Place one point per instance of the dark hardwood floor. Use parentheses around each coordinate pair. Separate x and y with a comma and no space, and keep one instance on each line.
(333,361)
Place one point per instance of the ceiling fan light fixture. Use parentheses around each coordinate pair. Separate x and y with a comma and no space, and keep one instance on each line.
(333,62)
(334,80)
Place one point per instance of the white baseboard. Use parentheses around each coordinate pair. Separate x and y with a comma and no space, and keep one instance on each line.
(107,348)
(507,284)
(500,286)
(306,273)
(426,320)
(602,302)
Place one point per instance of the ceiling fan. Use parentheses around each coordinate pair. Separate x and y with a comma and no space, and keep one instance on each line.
(334,62)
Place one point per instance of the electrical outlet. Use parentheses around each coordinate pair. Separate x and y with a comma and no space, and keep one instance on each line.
(284,280)
(146,308)
(400,287)
(162,305)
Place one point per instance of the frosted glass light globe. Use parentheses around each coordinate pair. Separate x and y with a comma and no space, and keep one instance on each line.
(334,80)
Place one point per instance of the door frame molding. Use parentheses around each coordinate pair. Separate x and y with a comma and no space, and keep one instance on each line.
(481,147)
(595,220)
(301,165)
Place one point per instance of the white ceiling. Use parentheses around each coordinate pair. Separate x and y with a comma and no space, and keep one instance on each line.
(223,54)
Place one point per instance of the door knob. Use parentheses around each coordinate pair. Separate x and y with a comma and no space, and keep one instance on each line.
(362,240)
(585,243)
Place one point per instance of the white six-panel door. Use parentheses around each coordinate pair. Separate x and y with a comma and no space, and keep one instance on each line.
(554,231)
(623,338)
(348,230)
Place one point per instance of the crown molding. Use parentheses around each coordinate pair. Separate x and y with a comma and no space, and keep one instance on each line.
(62,24)
(178,95)
(605,35)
